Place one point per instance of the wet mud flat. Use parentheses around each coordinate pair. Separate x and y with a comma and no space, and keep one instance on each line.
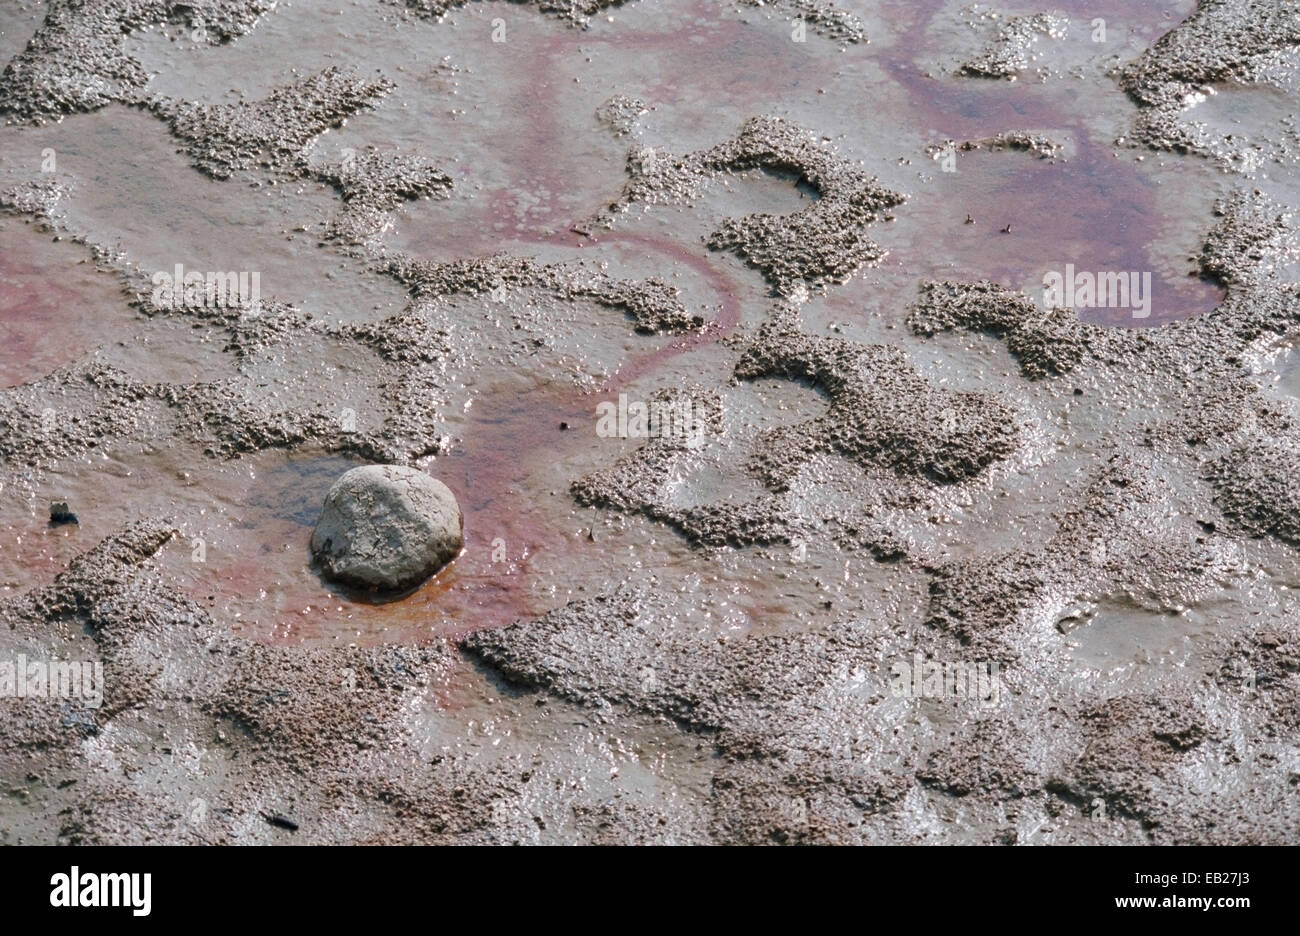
(937,558)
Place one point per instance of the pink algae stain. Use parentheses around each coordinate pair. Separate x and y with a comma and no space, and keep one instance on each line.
(36,553)
(262,572)
(721,325)
(1029,217)
(722,60)
(52,311)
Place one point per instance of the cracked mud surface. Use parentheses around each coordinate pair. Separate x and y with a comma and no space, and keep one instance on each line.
(819,230)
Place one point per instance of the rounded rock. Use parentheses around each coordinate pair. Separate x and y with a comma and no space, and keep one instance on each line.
(387,527)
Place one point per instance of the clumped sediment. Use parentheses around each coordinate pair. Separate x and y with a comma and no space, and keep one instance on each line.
(271,133)
(1222,42)
(813,248)
(1041,145)
(825,18)
(882,412)
(620,113)
(173,676)
(651,304)
(1047,343)
(575,12)
(275,136)
(1011,51)
(77,61)
(1111,543)
(882,416)
(1130,536)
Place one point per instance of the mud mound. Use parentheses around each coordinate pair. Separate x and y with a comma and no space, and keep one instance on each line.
(372,185)
(882,412)
(77,62)
(814,247)
(1223,41)
(1011,51)
(1115,542)
(825,18)
(1255,488)
(1041,145)
(575,12)
(1046,343)
(651,304)
(271,133)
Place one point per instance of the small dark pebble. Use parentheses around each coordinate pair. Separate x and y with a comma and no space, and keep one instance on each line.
(60,514)
(284,822)
(564,425)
